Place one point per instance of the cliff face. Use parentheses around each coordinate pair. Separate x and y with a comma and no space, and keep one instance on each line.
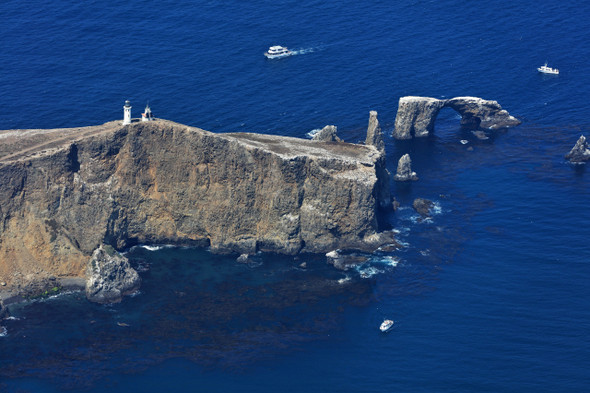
(162,182)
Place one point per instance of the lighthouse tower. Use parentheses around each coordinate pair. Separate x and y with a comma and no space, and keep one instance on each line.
(127,113)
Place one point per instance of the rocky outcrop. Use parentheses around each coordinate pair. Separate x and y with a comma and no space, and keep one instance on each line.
(374,134)
(109,276)
(580,152)
(327,134)
(423,206)
(404,169)
(416,115)
(163,182)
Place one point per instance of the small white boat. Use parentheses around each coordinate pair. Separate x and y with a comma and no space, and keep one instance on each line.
(277,51)
(548,70)
(386,325)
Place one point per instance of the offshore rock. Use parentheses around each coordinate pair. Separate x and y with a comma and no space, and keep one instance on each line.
(109,276)
(342,261)
(374,134)
(327,134)
(580,152)
(67,191)
(404,169)
(423,206)
(416,115)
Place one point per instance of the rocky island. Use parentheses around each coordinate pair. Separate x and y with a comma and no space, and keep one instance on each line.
(416,115)
(65,193)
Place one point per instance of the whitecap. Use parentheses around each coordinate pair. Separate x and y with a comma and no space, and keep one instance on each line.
(3,331)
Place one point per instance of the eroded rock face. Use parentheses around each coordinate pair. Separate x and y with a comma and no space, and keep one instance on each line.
(580,152)
(109,276)
(404,169)
(374,134)
(163,182)
(327,134)
(416,115)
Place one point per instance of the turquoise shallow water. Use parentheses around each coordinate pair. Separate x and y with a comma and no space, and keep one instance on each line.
(490,295)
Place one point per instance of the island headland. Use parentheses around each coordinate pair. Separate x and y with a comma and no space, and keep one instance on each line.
(66,193)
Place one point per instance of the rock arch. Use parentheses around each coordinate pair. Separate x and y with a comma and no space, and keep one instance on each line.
(416,115)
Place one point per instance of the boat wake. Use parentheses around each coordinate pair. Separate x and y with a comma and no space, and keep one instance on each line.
(303,51)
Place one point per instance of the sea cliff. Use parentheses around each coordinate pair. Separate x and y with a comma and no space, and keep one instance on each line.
(65,192)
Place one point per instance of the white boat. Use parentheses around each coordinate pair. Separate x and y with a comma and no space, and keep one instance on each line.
(548,70)
(277,51)
(386,325)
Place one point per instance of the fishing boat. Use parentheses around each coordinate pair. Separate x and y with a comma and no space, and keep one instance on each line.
(548,70)
(386,325)
(277,51)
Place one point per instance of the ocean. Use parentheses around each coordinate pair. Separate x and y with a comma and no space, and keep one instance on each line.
(490,294)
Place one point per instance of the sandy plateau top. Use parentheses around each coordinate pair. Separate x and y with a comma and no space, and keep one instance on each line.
(26,143)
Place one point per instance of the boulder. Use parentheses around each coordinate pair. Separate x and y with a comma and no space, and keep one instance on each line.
(423,206)
(109,276)
(580,152)
(404,169)
(327,134)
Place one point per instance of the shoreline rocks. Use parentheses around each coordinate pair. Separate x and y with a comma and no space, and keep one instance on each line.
(109,276)
(327,134)
(580,152)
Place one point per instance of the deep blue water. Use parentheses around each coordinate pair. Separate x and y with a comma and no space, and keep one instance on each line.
(490,295)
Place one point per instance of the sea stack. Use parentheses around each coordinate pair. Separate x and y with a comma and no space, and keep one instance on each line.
(404,169)
(109,276)
(580,152)
(374,134)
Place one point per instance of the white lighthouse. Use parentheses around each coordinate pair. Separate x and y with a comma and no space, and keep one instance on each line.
(127,113)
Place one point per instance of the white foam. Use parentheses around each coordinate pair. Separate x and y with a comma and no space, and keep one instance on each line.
(344,280)
(368,272)
(156,248)
(3,331)
(303,51)
(11,318)
(388,260)
(313,132)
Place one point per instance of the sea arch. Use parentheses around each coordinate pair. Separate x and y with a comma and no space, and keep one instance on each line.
(416,115)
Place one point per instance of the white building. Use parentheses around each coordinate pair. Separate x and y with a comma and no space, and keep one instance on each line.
(127,113)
